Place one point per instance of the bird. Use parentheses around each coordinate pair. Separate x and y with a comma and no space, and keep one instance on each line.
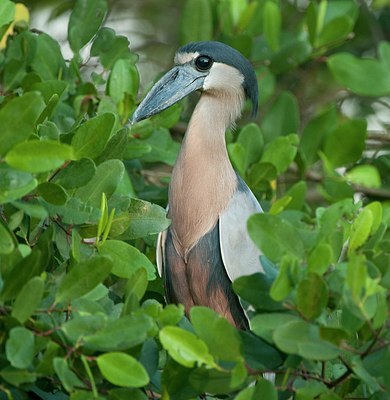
(207,245)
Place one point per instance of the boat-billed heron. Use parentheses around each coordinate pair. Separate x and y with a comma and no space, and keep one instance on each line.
(207,245)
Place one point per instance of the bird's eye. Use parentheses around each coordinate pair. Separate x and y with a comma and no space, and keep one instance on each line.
(203,63)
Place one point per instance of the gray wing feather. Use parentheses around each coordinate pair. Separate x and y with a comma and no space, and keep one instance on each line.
(239,254)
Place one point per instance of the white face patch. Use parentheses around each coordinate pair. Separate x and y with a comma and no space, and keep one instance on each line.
(183,58)
(224,78)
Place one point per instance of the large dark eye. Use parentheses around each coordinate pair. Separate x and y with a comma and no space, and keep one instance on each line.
(203,63)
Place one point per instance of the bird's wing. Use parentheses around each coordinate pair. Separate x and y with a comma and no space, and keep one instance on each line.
(239,254)
(160,248)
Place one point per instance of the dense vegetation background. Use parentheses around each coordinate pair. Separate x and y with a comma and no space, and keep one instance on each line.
(82,197)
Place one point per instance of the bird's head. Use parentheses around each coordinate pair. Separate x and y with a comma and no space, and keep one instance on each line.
(211,67)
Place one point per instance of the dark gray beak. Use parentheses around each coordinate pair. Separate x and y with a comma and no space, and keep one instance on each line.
(176,84)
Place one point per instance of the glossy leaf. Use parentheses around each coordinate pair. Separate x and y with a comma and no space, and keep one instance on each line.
(85,20)
(15,130)
(185,348)
(39,156)
(122,369)
(84,277)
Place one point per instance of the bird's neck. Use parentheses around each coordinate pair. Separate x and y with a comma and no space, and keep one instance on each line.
(203,179)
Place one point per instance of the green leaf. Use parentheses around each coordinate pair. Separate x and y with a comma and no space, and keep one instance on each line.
(19,348)
(14,184)
(272,24)
(14,130)
(196,22)
(141,219)
(7,13)
(311,296)
(124,79)
(377,211)
(366,77)
(209,326)
(48,62)
(49,88)
(282,118)
(127,259)
(281,152)
(52,193)
(345,144)
(121,334)
(137,284)
(185,348)
(282,285)
(251,138)
(84,22)
(28,299)
(91,137)
(83,277)
(356,275)
(275,236)
(360,230)
(111,48)
(7,241)
(360,371)
(122,369)
(39,156)
(76,174)
(67,377)
(320,258)
(106,180)
(364,175)
(302,338)
(264,325)
(265,390)
(17,377)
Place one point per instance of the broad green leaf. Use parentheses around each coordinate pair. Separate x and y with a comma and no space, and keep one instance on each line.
(28,299)
(311,296)
(281,152)
(50,87)
(164,148)
(7,13)
(127,259)
(110,48)
(15,184)
(39,156)
(302,338)
(320,258)
(377,211)
(255,290)
(15,130)
(7,240)
(265,390)
(282,118)
(106,179)
(359,370)
(337,29)
(52,193)
(251,138)
(264,325)
(16,376)
(84,22)
(122,369)
(121,334)
(282,285)
(356,275)
(315,133)
(48,62)
(141,219)
(261,172)
(83,277)
(76,174)
(91,137)
(237,156)
(171,314)
(67,377)
(196,22)
(275,237)
(360,230)
(19,348)
(272,24)
(364,175)
(124,79)
(366,77)
(219,335)
(185,348)
(345,144)
(137,283)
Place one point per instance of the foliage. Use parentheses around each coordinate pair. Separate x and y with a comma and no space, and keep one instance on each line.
(81,308)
